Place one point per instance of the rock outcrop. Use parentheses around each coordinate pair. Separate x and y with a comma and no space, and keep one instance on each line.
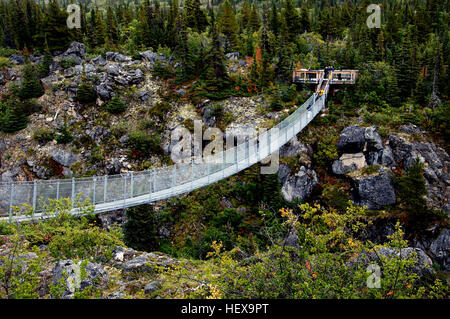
(67,274)
(374,190)
(411,144)
(298,186)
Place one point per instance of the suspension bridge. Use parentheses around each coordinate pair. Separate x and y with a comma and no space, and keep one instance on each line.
(114,192)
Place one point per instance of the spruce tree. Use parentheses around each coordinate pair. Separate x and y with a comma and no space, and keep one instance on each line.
(245,14)
(55,28)
(216,76)
(228,26)
(112,29)
(31,86)
(140,230)
(116,106)
(14,118)
(86,93)
(44,67)
(290,21)
(254,19)
(274,19)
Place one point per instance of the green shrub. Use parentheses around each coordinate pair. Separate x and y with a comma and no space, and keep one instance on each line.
(31,86)
(144,144)
(7,52)
(63,136)
(326,150)
(14,118)
(276,104)
(288,93)
(140,230)
(31,106)
(90,243)
(43,135)
(67,62)
(411,191)
(4,63)
(161,109)
(116,106)
(86,93)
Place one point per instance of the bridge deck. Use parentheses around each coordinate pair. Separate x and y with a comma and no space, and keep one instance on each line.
(108,193)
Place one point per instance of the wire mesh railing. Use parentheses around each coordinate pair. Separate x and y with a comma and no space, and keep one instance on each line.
(108,193)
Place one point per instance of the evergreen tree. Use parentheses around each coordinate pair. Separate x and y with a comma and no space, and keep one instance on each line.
(86,93)
(305,25)
(116,106)
(254,19)
(290,21)
(44,68)
(245,14)
(31,86)
(140,230)
(275,24)
(112,29)
(195,16)
(228,26)
(216,75)
(55,28)
(405,64)
(14,118)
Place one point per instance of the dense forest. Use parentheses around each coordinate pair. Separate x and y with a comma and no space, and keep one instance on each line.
(240,237)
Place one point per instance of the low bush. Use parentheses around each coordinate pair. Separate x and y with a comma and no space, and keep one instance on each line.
(144,144)
(43,135)
(116,106)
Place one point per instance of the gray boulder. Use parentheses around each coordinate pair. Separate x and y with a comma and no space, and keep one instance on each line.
(135,76)
(113,70)
(152,286)
(144,96)
(296,148)
(300,185)
(423,263)
(352,140)
(64,158)
(121,58)
(99,61)
(440,248)
(292,241)
(348,163)
(387,157)
(373,139)
(11,175)
(17,59)
(233,56)
(68,273)
(374,191)
(242,63)
(113,166)
(283,173)
(407,147)
(109,219)
(104,91)
(148,262)
(121,81)
(208,117)
(149,56)
(36,58)
(76,51)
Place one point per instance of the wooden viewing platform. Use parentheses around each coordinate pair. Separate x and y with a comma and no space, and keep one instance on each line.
(309,76)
